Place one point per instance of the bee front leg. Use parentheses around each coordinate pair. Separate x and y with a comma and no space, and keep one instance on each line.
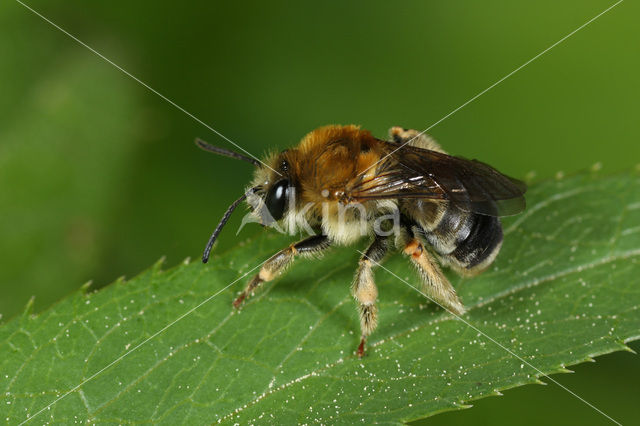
(281,260)
(364,289)
(435,284)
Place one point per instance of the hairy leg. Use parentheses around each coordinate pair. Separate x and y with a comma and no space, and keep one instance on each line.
(281,260)
(414,138)
(435,284)
(364,289)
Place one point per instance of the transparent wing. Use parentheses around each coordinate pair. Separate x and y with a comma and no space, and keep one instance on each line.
(412,172)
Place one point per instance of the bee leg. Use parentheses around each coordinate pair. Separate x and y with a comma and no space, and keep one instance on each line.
(414,138)
(435,284)
(281,260)
(364,289)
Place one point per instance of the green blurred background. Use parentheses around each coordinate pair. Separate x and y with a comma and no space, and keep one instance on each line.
(99,176)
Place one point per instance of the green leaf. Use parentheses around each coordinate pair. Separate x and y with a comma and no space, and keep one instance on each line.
(563,290)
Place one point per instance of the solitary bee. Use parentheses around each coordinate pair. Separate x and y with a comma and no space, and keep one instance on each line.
(341,183)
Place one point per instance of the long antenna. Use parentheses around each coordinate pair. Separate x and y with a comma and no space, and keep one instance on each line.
(223,221)
(226,152)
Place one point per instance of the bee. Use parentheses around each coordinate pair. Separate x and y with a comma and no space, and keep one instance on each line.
(340,183)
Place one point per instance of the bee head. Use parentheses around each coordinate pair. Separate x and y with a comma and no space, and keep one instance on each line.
(273,190)
(269,197)
(277,197)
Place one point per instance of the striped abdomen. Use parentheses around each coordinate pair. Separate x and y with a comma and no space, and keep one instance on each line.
(469,242)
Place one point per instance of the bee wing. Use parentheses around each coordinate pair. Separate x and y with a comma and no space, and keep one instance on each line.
(412,172)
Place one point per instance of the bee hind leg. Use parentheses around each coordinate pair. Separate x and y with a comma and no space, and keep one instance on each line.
(364,289)
(435,284)
(414,138)
(281,260)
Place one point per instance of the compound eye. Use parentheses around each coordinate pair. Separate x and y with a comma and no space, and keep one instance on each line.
(276,199)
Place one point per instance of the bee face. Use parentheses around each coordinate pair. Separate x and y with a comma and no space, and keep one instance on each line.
(277,198)
(272,190)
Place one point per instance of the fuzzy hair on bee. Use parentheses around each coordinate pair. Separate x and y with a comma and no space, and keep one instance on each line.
(341,184)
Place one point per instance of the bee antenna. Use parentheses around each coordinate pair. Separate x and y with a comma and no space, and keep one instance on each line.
(226,152)
(223,221)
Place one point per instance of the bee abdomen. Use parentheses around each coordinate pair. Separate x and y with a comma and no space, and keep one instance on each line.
(482,244)
(467,241)
(452,228)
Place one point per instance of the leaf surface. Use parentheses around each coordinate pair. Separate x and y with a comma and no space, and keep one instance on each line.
(563,290)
